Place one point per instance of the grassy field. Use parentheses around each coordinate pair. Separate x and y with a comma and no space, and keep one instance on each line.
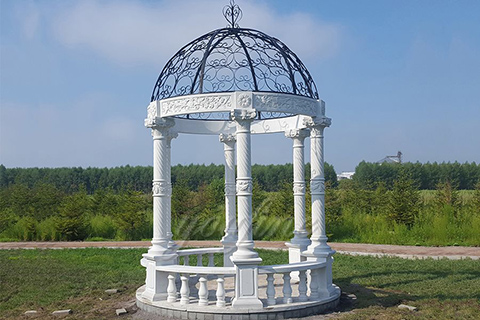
(48,280)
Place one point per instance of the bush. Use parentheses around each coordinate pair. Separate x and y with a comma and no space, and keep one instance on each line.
(102,227)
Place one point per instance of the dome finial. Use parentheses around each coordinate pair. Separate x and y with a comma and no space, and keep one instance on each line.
(232,14)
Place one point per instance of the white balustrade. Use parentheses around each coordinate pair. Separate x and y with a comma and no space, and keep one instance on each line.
(191,276)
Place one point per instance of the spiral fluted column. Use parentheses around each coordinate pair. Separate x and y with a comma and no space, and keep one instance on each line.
(160,253)
(170,136)
(230,238)
(245,259)
(162,189)
(317,184)
(244,186)
(300,241)
(300,233)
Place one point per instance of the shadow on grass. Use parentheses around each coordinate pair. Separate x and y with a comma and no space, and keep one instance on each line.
(390,289)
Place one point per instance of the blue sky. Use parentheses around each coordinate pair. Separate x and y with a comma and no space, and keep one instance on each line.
(76,77)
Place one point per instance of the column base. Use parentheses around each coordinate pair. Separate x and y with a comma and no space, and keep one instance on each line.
(245,251)
(319,246)
(295,250)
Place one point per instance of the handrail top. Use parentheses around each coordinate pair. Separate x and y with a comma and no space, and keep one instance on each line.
(187,252)
(298,266)
(175,268)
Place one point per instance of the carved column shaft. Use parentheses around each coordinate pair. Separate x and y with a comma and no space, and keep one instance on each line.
(161,189)
(298,137)
(170,137)
(230,208)
(244,185)
(317,185)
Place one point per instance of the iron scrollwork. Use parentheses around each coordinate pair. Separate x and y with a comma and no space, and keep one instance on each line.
(234,59)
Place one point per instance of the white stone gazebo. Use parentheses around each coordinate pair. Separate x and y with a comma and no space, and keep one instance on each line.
(235,83)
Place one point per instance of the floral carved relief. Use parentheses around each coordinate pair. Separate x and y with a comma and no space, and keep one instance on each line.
(196,105)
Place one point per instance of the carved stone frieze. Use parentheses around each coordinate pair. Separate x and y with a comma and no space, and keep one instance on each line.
(244,186)
(196,104)
(285,103)
(161,188)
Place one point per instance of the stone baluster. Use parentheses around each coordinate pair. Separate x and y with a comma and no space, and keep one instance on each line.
(172,288)
(302,286)
(230,238)
(287,288)
(184,289)
(186,260)
(211,261)
(270,290)
(199,260)
(220,291)
(314,295)
(202,291)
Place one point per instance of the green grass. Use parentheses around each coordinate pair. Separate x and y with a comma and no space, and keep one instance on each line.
(77,278)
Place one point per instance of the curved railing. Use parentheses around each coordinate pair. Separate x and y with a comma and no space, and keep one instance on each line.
(183,280)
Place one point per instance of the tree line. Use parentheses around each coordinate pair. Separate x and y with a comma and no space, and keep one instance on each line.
(425,176)
(139,178)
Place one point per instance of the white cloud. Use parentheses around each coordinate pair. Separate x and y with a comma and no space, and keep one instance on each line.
(133,33)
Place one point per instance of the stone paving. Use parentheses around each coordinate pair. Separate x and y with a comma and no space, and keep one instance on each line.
(452,252)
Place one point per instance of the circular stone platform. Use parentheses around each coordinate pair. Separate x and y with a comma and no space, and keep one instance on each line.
(193,311)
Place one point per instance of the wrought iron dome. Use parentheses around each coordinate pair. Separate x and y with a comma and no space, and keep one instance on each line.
(234,59)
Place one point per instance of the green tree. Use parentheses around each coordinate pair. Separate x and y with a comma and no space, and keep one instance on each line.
(71,223)
(131,217)
(403,200)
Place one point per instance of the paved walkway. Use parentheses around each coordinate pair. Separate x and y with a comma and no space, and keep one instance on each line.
(409,252)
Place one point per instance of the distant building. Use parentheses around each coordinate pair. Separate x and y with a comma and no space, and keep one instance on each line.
(392,159)
(345,175)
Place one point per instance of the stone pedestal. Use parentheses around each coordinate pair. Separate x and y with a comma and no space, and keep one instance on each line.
(156,282)
(246,284)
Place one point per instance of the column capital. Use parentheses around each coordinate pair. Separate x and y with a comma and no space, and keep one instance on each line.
(243,114)
(297,133)
(159,123)
(170,136)
(313,122)
(227,138)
